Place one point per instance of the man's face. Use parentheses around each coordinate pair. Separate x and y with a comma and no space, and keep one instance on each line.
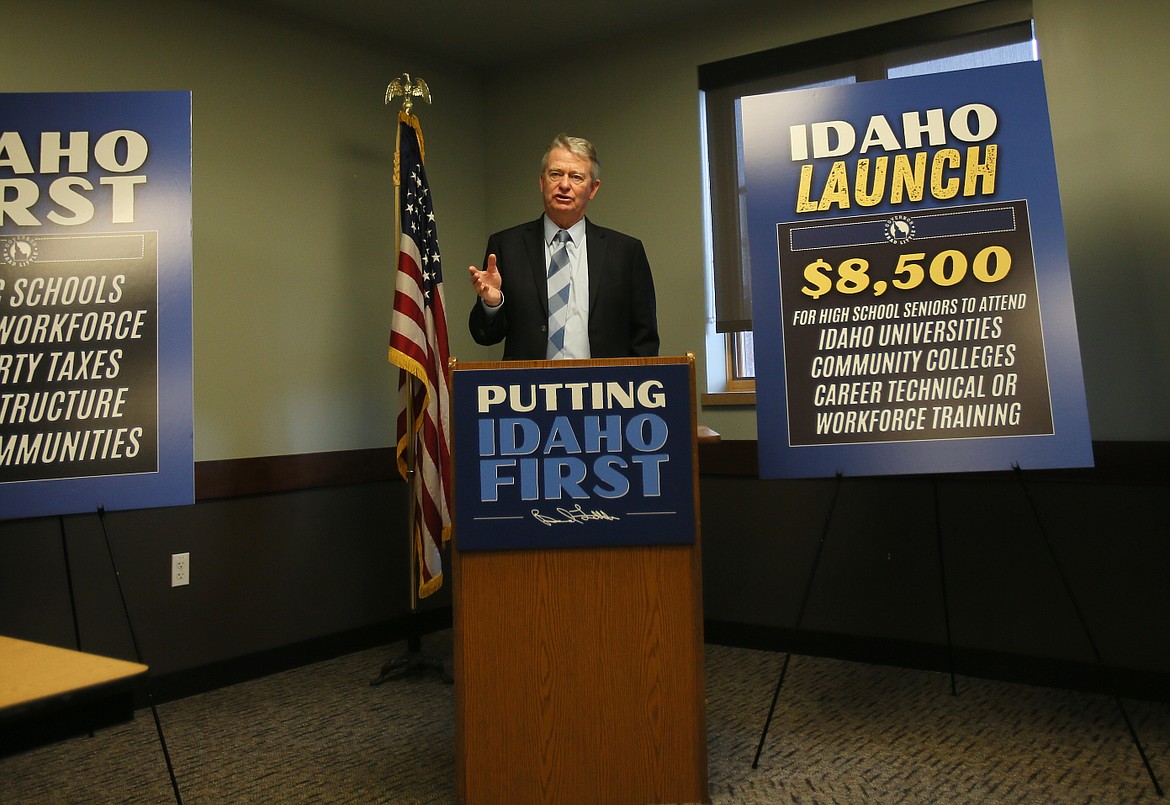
(567,187)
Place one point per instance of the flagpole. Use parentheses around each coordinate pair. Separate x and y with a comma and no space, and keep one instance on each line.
(414,661)
(413,639)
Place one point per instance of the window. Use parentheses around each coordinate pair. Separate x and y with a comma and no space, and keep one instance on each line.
(977,35)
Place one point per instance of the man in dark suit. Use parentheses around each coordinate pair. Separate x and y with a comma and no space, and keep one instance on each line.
(604,294)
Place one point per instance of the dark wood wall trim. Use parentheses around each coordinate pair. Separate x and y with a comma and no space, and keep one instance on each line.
(1137,463)
(983,664)
(237,477)
(1147,685)
(1117,462)
(189,682)
(730,457)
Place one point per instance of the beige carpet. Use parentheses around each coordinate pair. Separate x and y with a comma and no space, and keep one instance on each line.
(843,733)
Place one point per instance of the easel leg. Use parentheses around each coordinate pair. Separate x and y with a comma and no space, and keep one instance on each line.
(799,618)
(69,586)
(138,654)
(1085,628)
(942,570)
(771,710)
(69,583)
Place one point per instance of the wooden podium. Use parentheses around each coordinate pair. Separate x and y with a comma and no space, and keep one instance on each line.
(579,670)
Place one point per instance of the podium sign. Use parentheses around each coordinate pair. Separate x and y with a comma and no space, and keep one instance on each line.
(573,454)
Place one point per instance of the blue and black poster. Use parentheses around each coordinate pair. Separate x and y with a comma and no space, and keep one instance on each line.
(95,302)
(911,293)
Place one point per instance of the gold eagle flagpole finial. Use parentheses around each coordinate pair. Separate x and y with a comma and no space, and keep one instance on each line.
(409,90)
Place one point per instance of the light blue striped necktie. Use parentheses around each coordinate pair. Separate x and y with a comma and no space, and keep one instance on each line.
(558,294)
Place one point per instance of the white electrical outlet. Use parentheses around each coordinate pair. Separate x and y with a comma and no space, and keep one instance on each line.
(180,569)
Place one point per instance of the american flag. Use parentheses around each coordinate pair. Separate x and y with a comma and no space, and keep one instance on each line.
(418,347)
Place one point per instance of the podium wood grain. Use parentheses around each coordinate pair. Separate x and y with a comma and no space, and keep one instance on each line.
(579,676)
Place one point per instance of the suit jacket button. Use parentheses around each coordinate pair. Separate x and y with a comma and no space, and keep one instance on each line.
(544,328)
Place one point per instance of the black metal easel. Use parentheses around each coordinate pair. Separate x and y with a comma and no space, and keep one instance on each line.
(942,572)
(137,651)
(1085,628)
(808,590)
(799,618)
(69,584)
(946,612)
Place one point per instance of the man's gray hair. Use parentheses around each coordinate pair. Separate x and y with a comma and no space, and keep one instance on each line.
(578,147)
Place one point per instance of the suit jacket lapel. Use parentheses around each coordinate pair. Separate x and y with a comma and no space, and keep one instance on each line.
(596,244)
(534,247)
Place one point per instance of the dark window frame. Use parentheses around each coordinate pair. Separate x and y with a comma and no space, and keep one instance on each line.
(801,64)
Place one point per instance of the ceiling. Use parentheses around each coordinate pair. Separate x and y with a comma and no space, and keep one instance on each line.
(481,32)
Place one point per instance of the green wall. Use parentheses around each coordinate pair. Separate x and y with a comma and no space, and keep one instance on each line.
(293,200)
(293,244)
(1108,77)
